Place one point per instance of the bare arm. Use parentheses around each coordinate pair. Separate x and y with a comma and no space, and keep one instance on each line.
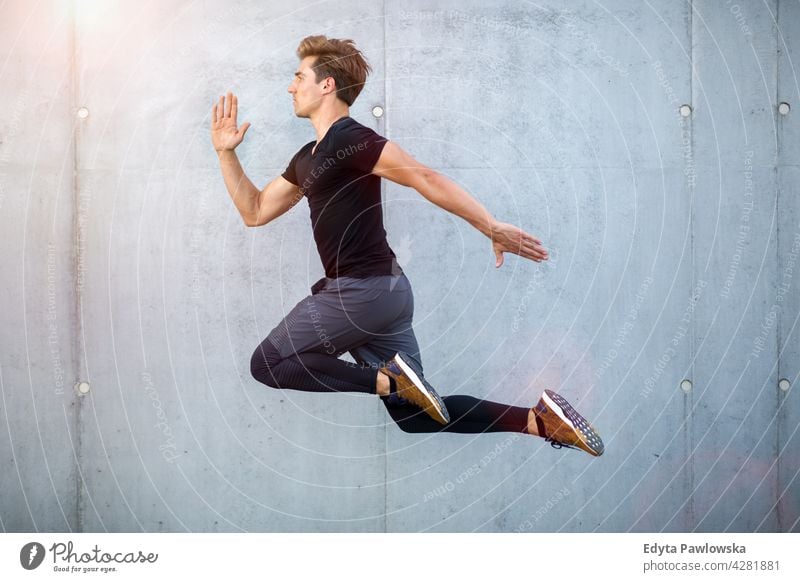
(398,166)
(241,190)
(256,207)
(278,197)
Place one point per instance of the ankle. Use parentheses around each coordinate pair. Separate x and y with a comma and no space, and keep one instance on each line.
(382,384)
(532,428)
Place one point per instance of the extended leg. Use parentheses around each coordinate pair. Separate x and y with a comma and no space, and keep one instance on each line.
(467,415)
(552,418)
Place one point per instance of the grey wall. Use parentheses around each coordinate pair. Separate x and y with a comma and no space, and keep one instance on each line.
(674,247)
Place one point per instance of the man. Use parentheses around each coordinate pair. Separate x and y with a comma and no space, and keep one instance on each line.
(364,304)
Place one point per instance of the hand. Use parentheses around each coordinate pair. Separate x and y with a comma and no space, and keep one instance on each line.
(224,133)
(507,238)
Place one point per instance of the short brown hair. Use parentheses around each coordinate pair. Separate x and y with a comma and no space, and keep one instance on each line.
(337,58)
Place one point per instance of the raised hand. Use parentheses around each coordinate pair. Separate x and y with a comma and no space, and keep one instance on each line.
(507,238)
(225,134)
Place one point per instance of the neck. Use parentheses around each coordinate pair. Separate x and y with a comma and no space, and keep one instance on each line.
(323,118)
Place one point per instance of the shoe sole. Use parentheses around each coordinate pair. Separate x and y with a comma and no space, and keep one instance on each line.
(575,421)
(432,403)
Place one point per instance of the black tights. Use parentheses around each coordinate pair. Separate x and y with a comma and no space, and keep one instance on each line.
(320,372)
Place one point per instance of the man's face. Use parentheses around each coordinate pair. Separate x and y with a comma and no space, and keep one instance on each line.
(305,90)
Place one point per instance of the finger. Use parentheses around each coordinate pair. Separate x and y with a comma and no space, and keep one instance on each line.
(528,253)
(498,258)
(536,255)
(234,108)
(536,248)
(530,237)
(533,256)
(521,237)
(533,243)
(243,129)
(221,108)
(519,246)
(214,114)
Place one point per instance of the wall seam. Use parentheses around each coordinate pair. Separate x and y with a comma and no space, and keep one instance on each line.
(692,344)
(76,251)
(383,197)
(778,326)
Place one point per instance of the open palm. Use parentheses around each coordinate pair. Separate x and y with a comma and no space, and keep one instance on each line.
(225,134)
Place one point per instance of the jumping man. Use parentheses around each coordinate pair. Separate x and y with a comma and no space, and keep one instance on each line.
(364,305)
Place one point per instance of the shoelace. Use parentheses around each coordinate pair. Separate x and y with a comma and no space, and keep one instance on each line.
(558,444)
(553,443)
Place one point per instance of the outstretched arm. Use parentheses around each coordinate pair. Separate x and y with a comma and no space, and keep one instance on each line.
(397,165)
(257,207)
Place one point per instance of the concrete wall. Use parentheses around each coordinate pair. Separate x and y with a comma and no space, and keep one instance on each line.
(668,312)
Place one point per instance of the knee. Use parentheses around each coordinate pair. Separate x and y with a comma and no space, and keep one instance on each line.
(263,362)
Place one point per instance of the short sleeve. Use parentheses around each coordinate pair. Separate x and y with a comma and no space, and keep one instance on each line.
(290,173)
(359,147)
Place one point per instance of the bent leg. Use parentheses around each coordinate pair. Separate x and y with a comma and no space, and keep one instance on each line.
(309,371)
(302,351)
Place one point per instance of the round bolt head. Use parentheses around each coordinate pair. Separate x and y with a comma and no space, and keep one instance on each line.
(784,384)
(784,108)
(83,387)
(686,110)
(377,111)
(83,113)
(686,386)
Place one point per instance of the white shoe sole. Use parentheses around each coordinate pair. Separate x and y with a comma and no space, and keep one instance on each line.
(409,371)
(590,436)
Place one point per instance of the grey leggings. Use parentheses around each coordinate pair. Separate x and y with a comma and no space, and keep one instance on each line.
(371,319)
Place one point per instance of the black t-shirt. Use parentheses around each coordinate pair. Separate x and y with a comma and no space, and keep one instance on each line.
(345,200)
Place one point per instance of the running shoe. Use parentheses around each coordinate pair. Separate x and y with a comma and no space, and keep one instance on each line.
(561,425)
(412,386)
